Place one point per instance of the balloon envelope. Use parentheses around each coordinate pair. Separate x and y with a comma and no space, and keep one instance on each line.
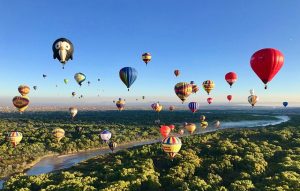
(165,130)
(193,106)
(128,76)
(15,138)
(171,145)
(231,78)
(183,90)
(58,133)
(105,135)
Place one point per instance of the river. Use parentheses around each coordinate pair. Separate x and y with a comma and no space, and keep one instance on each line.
(52,163)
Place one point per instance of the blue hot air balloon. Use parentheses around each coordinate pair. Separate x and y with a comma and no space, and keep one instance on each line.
(128,75)
(285,104)
(193,106)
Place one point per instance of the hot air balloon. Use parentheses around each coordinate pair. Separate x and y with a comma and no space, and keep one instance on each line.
(21,103)
(44,76)
(63,50)
(98,79)
(190,127)
(14,138)
(229,97)
(195,88)
(251,91)
(120,104)
(58,134)
(208,85)
(89,82)
(252,99)
(23,90)
(231,78)
(165,130)
(146,57)
(217,124)
(171,145)
(105,135)
(114,101)
(181,132)
(112,145)
(193,106)
(266,63)
(176,72)
(73,111)
(183,90)
(172,127)
(156,107)
(209,100)
(143,97)
(66,81)
(79,77)
(171,108)
(285,104)
(202,118)
(128,75)
(203,124)
(35,87)
(73,94)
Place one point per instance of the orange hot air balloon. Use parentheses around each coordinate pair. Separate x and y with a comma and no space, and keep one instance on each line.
(165,130)
(177,73)
(24,90)
(21,103)
(190,127)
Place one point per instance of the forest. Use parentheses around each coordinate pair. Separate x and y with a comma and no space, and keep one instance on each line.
(231,159)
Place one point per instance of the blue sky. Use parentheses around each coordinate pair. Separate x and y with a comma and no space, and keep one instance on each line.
(203,39)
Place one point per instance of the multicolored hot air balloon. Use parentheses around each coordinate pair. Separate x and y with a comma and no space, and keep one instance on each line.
(63,50)
(229,97)
(120,104)
(79,77)
(156,107)
(165,130)
(231,78)
(171,108)
(217,124)
(195,88)
(14,138)
(66,81)
(21,103)
(181,132)
(251,91)
(128,75)
(58,134)
(112,145)
(105,135)
(183,90)
(73,111)
(252,99)
(171,145)
(177,73)
(193,106)
(208,85)
(190,127)
(146,57)
(266,63)
(210,100)
(202,118)
(285,104)
(204,124)
(23,90)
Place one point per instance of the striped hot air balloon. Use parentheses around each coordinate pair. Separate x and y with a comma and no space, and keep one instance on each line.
(252,99)
(146,57)
(193,106)
(183,90)
(190,127)
(171,145)
(58,133)
(208,85)
(15,138)
(128,75)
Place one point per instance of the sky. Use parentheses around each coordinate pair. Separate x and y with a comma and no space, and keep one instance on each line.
(203,39)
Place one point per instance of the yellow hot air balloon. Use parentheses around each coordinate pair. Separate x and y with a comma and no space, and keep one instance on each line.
(24,90)
(202,118)
(79,77)
(58,134)
(183,90)
(15,138)
(204,124)
(21,103)
(146,57)
(120,104)
(190,127)
(73,111)
(171,145)
(208,85)
(253,100)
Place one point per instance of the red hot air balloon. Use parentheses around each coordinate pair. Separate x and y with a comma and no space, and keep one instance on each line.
(165,130)
(209,100)
(266,63)
(176,72)
(229,97)
(172,127)
(231,77)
